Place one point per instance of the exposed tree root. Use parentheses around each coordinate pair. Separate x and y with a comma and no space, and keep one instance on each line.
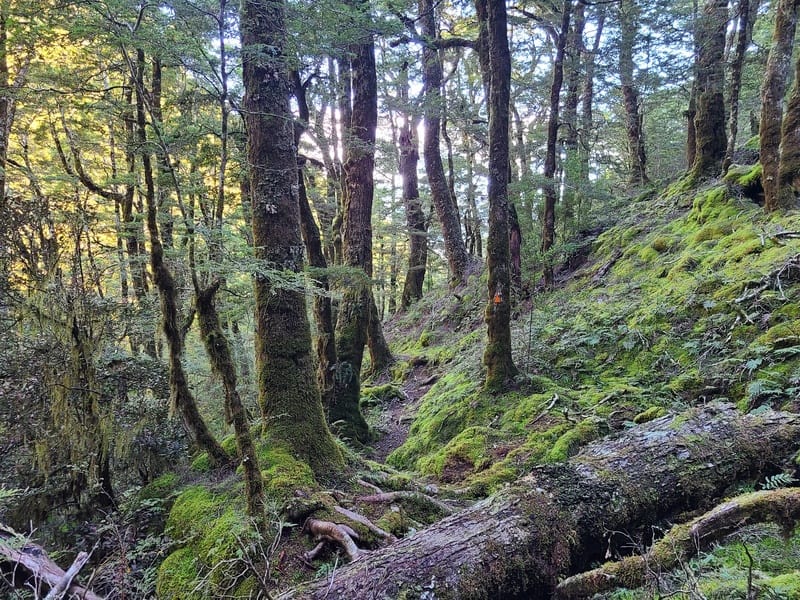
(354,516)
(334,533)
(781,506)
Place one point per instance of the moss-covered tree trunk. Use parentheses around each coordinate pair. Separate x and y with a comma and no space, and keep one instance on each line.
(637,157)
(359,162)
(789,170)
(709,121)
(222,363)
(550,192)
(380,355)
(574,67)
(744,33)
(556,520)
(182,397)
(500,369)
(772,92)
(287,389)
(458,259)
(415,215)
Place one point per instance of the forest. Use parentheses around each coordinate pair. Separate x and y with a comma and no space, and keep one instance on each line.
(378,299)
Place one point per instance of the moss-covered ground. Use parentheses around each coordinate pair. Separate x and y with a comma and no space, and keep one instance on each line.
(691,295)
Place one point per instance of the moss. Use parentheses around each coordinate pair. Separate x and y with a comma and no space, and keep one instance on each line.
(654,412)
(247,588)
(781,335)
(283,474)
(160,488)
(787,585)
(468,452)
(425,338)
(569,443)
(194,509)
(177,576)
(661,243)
(394,521)
(380,394)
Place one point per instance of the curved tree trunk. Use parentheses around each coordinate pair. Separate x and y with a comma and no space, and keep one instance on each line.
(500,369)
(456,250)
(287,390)
(555,521)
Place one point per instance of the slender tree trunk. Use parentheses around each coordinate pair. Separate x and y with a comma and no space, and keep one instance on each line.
(380,355)
(415,216)
(355,307)
(709,122)
(288,393)
(574,64)
(223,365)
(691,111)
(637,158)
(456,251)
(773,90)
(550,194)
(182,397)
(500,369)
(586,133)
(743,37)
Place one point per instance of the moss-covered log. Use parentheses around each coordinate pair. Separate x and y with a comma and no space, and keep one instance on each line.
(684,541)
(554,521)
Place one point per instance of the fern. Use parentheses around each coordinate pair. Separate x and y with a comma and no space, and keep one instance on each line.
(777,481)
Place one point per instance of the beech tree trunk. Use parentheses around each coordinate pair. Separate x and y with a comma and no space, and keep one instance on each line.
(637,158)
(709,122)
(550,192)
(356,304)
(555,521)
(500,369)
(772,92)
(456,250)
(746,16)
(182,397)
(287,389)
(789,170)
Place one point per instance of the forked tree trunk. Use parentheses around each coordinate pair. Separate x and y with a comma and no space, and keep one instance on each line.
(500,369)
(287,390)
(772,92)
(356,304)
(555,521)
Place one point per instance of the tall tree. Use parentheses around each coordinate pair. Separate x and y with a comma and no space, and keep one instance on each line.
(288,393)
(359,162)
(500,369)
(550,193)
(709,122)
(458,259)
(773,90)
(747,10)
(789,170)
(629,17)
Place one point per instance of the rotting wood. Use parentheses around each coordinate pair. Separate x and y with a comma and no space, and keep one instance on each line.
(336,533)
(35,561)
(554,521)
(387,497)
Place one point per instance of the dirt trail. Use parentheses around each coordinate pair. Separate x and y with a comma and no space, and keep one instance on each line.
(398,414)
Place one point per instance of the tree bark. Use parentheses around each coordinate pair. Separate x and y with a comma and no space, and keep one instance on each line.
(574,51)
(456,250)
(182,397)
(772,92)
(709,122)
(500,369)
(555,521)
(550,193)
(356,304)
(287,390)
(789,169)
(747,13)
(637,158)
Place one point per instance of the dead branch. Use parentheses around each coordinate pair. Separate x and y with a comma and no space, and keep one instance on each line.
(781,506)
(334,533)
(33,558)
(602,271)
(370,486)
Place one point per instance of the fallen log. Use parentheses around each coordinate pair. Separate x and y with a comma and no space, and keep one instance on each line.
(21,554)
(558,519)
(780,506)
